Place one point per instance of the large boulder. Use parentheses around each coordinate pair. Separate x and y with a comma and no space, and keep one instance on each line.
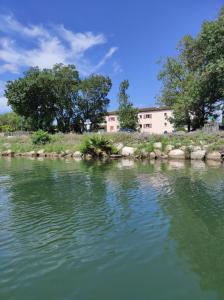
(54,154)
(168,148)
(176,154)
(118,146)
(164,156)
(68,152)
(62,154)
(195,148)
(77,154)
(144,153)
(32,153)
(214,155)
(157,145)
(8,153)
(41,152)
(158,153)
(128,151)
(198,154)
(88,156)
(152,155)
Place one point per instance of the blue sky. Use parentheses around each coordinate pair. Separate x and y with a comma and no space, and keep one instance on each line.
(122,39)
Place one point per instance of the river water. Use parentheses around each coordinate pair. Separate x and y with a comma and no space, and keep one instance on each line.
(111,230)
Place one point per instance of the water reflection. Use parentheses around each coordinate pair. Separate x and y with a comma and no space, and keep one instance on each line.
(82,223)
(196,210)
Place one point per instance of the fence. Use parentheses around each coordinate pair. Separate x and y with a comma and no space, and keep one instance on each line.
(211,127)
(17,133)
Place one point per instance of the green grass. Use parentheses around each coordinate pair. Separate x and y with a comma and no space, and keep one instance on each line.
(72,142)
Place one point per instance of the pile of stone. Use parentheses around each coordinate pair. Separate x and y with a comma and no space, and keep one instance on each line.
(170,152)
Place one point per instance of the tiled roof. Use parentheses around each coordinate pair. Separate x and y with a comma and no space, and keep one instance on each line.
(144,109)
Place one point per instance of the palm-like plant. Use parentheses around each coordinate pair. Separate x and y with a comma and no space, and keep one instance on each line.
(97,146)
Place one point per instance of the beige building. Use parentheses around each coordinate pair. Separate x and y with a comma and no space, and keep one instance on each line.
(151,120)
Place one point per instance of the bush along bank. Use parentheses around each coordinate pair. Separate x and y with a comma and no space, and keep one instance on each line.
(129,146)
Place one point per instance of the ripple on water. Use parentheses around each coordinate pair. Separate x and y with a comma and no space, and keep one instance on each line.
(78,220)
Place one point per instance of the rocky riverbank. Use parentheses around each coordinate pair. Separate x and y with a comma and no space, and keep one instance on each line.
(202,152)
(191,146)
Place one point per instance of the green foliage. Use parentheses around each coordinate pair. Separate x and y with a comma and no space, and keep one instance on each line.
(10,122)
(193,82)
(66,87)
(33,97)
(92,101)
(97,146)
(40,137)
(127,114)
(43,96)
(5,128)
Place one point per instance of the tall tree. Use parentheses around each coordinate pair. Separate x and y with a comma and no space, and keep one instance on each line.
(43,96)
(66,87)
(127,114)
(33,97)
(93,101)
(193,82)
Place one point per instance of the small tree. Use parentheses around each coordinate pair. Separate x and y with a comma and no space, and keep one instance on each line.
(127,114)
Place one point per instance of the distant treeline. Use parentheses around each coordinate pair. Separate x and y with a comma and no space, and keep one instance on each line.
(59,98)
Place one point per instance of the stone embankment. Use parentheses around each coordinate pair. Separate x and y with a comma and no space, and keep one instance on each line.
(159,152)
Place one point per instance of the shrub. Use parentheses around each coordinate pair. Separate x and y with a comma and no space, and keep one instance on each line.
(97,146)
(5,128)
(40,137)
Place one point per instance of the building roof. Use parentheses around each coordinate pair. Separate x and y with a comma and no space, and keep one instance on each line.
(144,109)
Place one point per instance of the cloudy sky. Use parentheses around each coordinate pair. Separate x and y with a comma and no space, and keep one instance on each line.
(122,39)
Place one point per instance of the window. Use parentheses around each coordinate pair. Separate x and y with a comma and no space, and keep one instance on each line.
(118,126)
(140,116)
(165,124)
(140,125)
(111,118)
(111,128)
(165,114)
(148,116)
(148,125)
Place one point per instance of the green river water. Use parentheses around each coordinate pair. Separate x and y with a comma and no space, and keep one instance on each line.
(119,230)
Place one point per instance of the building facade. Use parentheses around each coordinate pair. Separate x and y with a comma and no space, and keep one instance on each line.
(153,120)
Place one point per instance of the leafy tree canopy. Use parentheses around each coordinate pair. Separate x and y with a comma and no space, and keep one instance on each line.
(93,100)
(193,82)
(59,95)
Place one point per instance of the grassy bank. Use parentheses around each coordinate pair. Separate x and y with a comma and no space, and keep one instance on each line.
(141,142)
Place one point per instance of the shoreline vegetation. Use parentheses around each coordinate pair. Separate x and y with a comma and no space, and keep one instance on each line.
(181,146)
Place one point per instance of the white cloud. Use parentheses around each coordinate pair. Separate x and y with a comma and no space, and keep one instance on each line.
(49,46)
(106,57)
(80,42)
(117,68)
(3,105)
(9,24)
